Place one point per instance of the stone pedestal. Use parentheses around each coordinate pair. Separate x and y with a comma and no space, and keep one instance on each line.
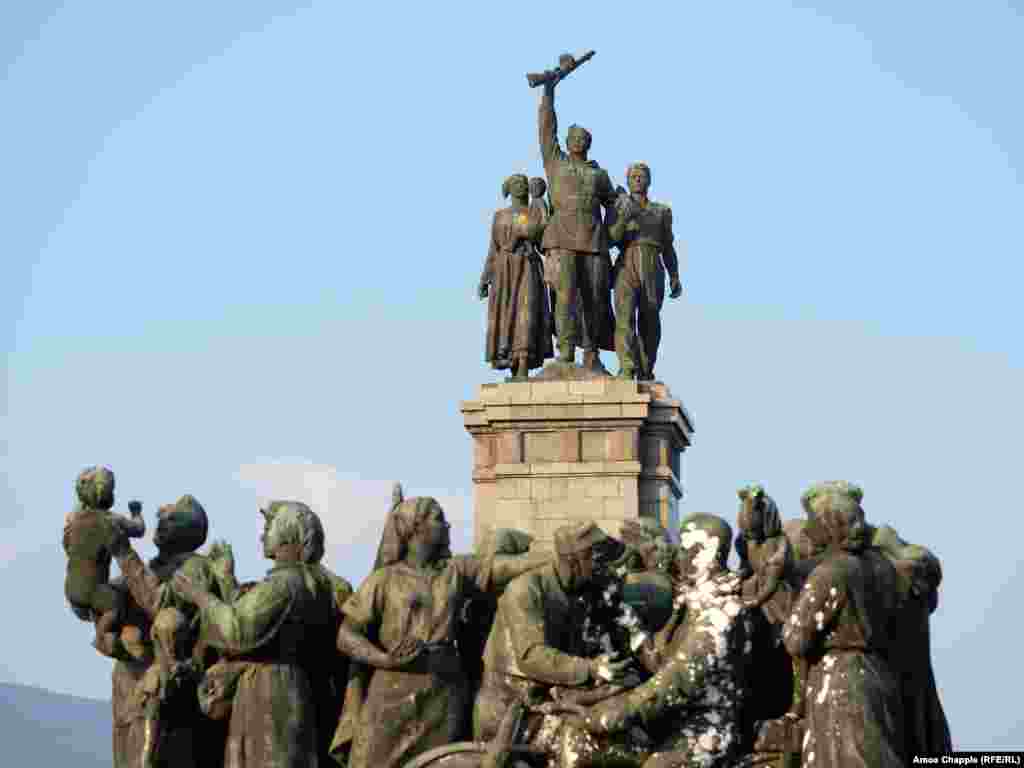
(550,452)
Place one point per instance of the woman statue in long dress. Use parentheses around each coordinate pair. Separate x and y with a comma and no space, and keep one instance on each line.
(841,625)
(271,633)
(401,625)
(518,316)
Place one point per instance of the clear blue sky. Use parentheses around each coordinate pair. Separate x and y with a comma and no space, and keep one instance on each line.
(239,244)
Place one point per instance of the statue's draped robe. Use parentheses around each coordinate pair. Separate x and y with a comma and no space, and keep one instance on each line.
(330,677)
(279,627)
(129,725)
(925,724)
(518,321)
(840,624)
(408,711)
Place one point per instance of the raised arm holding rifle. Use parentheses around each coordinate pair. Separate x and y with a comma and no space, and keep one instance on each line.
(576,237)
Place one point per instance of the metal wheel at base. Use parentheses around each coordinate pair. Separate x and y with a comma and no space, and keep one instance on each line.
(466,754)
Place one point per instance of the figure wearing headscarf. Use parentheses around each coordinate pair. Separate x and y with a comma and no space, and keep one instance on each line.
(518,321)
(841,625)
(401,625)
(277,627)
(919,575)
(770,583)
(328,669)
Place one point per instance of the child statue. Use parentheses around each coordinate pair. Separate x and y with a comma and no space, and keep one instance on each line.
(87,532)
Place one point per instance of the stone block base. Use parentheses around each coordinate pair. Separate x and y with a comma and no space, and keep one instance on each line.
(548,452)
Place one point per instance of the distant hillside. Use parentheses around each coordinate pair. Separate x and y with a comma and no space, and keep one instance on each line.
(42,729)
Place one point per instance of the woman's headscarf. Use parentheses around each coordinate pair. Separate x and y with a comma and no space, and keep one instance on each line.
(398,527)
(401,521)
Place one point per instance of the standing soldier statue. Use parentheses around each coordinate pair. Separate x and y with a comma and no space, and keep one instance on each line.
(575,240)
(642,231)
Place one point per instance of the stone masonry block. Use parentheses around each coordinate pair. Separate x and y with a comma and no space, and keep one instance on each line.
(594,445)
(550,452)
(542,447)
(588,388)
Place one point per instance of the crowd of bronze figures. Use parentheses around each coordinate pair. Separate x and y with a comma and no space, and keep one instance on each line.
(642,649)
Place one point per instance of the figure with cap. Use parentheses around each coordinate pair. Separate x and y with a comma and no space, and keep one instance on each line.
(536,642)
(400,626)
(575,240)
(168,617)
(689,710)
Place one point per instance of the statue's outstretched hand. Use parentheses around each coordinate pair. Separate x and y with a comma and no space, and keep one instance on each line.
(222,559)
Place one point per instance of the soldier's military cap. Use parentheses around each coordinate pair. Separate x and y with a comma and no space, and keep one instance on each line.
(577,537)
(188,522)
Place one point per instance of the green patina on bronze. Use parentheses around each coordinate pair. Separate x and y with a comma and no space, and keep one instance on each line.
(642,231)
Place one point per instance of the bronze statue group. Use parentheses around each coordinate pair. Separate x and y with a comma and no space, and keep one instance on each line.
(548,270)
(642,650)
(639,650)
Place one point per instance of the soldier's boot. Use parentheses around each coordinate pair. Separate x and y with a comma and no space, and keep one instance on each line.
(566,353)
(520,368)
(592,360)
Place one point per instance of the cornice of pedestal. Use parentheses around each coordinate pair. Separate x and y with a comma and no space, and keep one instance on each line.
(596,403)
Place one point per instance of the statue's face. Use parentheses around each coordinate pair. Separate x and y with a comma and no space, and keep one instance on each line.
(518,187)
(268,519)
(432,533)
(847,528)
(751,518)
(701,548)
(579,568)
(577,142)
(437,531)
(171,529)
(639,181)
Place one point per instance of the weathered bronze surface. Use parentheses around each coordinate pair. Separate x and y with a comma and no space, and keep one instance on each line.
(633,652)
(643,651)
(518,318)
